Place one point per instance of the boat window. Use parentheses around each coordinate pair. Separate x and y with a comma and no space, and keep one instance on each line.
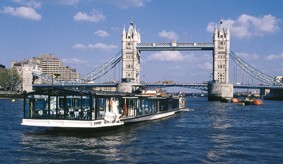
(26,108)
(101,106)
(153,106)
(78,107)
(39,106)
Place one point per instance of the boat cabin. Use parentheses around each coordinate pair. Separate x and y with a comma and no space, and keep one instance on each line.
(68,104)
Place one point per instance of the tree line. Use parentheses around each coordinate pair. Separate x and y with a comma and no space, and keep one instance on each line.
(9,79)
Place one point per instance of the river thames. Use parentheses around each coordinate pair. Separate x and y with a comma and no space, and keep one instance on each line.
(209,132)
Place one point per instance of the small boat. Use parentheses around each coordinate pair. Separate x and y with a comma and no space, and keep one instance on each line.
(248,101)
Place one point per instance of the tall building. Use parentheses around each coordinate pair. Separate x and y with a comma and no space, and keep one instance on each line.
(51,65)
(46,65)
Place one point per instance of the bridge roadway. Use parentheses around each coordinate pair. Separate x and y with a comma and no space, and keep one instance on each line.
(203,86)
(199,86)
(175,46)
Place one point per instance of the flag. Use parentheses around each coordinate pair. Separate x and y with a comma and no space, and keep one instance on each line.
(56,75)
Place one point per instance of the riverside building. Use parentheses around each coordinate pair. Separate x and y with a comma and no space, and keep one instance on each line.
(46,64)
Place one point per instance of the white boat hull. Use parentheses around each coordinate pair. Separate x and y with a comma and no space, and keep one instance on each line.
(70,123)
(148,117)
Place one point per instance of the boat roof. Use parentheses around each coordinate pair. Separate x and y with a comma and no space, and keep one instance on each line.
(76,92)
(67,92)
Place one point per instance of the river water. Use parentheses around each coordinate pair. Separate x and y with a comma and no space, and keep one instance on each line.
(209,132)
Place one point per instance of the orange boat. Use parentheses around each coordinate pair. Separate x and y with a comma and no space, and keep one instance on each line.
(257,102)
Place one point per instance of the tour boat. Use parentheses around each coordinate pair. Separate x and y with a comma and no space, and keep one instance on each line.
(58,107)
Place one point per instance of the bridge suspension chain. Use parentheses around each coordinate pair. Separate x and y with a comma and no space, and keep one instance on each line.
(103,69)
(251,70)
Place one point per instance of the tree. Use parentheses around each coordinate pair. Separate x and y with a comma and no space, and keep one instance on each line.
(9,78)
(3,79)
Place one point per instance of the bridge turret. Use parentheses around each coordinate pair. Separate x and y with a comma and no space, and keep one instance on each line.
(220,87)
(221,52)
(130,54)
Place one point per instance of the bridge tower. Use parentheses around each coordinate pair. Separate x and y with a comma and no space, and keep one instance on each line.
(130,54)
(220,88)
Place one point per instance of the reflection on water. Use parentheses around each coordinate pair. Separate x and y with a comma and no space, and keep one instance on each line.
(103,145)
(220,122)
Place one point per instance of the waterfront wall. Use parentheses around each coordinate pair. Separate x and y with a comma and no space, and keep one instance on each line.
(11,94)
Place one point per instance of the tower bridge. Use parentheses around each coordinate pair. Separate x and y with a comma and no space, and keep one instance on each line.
(220,86)
(132,47)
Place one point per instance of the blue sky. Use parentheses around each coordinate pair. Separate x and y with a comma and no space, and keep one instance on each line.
(87,33)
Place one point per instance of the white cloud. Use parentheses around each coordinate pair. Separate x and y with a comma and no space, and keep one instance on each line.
(247,26)
(102,46)
(23,12)
(102,33)
(29,3)
(273,57)
(125,4)
(38,3)
(177,56)
(171,35)
(73,61)
(94,16)
(189,61)
(79,46)
(166,56)
(97,46)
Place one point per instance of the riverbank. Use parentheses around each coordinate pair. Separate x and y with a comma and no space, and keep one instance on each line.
(11,94)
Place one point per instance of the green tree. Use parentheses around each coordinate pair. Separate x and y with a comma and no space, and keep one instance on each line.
(9,79)
(3,79)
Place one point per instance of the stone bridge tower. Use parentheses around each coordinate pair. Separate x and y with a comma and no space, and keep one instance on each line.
(220,88)
(130,54)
